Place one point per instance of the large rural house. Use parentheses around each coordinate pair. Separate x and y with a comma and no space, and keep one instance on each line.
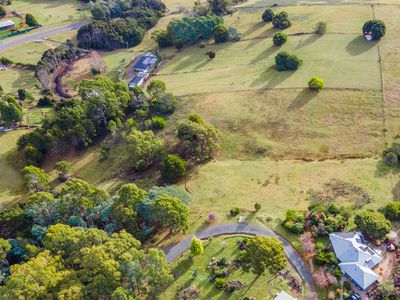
(143,67)
(357,260)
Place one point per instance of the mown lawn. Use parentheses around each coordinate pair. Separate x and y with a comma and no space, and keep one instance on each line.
(259,288)
(16,78)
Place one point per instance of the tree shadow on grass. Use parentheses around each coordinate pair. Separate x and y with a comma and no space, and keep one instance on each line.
(204,63)
(382,169)
(267,52)
(305,96)
(308,41)
(254,27)
(264,77)
(279,77)
(359,45)
(183,266)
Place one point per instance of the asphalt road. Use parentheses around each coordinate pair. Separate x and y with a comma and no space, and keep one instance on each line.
(36,35)
(225,229)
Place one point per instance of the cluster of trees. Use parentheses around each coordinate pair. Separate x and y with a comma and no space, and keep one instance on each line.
(108,9)
(77,122)
(375,28)
(53,58)
(285,61)
(320,219)
(10,111)
(279,21)
(214,7)
(187,31)
(111,35)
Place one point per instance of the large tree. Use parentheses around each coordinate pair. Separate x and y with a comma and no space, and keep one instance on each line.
(10,111)
(372,224)
(170,213)
(124,209)
(199,139)
(35,179)
(265,253)
(144,148)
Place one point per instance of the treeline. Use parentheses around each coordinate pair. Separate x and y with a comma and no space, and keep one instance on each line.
(108,9)
(53,58)
(187,31)
(81,241)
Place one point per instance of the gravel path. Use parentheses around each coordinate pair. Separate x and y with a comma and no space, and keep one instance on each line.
(36,35)
(226,229)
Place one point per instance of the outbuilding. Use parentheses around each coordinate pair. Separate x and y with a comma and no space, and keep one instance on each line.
(6,24)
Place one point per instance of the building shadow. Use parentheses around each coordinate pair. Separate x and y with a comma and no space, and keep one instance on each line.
(305,96)
(359,45)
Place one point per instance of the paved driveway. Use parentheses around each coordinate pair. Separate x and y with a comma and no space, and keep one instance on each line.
(226,229)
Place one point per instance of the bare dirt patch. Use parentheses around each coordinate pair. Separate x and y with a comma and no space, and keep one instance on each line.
(80,69)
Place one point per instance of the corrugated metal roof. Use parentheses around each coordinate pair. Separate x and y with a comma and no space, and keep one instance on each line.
(6,23)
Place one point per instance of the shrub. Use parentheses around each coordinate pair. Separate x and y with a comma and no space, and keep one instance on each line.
(94,70)
(31,21)
(202,45)
(284,61)
(234,35)
(281,21)
(234,211)
(375,28)
(220,283)
(279,39)
(191,292)
(211,54)
(5,61)
(320,28)
(45,102)
(257,206)
(220,33)
(268,15)
(372,224)
(173,168)
(315,83)
(158,123)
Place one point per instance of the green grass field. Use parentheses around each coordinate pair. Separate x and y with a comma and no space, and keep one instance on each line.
(52,12)
(10,180)
(277,185)
(218,248)
(14,79)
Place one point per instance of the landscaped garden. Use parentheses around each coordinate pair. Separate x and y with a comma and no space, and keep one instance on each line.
(221,257)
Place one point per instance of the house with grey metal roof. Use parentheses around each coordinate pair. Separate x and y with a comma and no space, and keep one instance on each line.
(6,24)
(145,62)
(357,260)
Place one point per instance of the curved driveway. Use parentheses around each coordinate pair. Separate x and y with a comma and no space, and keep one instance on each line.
(36,34)
(226,229)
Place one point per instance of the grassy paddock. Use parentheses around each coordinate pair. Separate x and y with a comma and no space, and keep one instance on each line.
(52,12)
(218,248)
(293,123)
(278,186)
(10,179)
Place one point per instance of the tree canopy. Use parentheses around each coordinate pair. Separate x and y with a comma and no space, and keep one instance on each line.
(372,224)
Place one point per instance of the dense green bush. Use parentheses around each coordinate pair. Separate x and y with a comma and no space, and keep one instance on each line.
(375,28)
(391,155)
(391,210)
(316,83)
(111,35)
(234,211)
(220,33)
(268,15)
(31,21)
(284,61)
(372,224)
(211,54)
(281,21)
(173,168)
(279,38)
